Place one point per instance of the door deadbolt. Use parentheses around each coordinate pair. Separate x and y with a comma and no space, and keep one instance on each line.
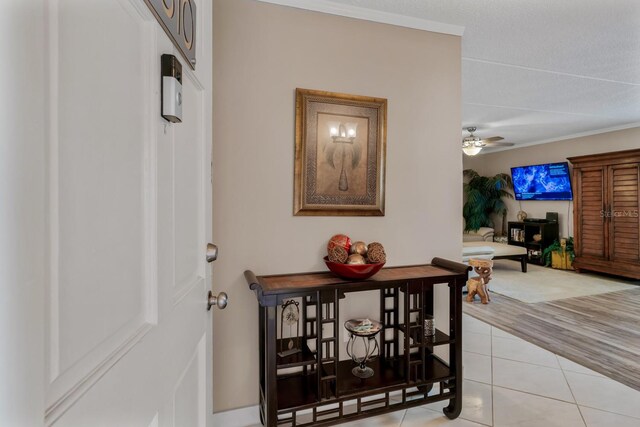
(212,252)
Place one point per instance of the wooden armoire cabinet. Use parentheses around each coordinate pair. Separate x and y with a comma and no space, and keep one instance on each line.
(606,211)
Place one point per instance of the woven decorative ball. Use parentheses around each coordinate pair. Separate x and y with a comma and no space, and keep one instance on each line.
(376,255)
(375,244)
(338,254)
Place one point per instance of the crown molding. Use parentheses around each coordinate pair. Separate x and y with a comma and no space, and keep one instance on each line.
(357,12)
(566,137)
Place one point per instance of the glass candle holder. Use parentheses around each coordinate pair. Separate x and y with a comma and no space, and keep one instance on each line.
(429,327)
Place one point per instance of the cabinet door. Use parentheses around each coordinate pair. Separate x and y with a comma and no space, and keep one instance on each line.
(589,205)
(624,237)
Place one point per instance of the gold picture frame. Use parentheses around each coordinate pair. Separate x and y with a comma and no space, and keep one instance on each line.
(340,154)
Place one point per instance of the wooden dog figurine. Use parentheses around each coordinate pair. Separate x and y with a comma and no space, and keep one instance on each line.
(478,285)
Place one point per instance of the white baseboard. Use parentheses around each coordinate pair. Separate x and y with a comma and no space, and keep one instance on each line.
(242,417)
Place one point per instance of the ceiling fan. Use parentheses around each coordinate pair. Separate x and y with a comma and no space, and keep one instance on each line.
(471,145)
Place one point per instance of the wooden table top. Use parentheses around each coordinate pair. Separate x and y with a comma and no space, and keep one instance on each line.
(440,270)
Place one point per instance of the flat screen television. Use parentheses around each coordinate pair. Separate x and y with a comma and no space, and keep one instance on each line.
(549,181)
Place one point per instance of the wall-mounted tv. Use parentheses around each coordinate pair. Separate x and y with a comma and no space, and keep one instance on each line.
(549,181)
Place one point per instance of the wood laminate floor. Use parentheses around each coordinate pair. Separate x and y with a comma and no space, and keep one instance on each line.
(601,332)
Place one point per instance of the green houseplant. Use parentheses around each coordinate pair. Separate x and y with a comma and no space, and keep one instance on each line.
(484,197)
(556,247)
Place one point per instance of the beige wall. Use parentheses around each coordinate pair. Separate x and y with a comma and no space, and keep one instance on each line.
(262,52)
(490,164)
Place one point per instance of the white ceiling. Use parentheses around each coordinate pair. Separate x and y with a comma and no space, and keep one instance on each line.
(540,70)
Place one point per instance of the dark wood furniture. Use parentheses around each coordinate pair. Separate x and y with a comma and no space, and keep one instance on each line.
(521,258)
(547,230)
(605,212)
(316,388)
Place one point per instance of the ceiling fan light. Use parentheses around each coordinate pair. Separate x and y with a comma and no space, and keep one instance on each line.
(471,150)
(471,140)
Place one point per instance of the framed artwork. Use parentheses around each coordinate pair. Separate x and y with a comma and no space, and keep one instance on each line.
(339,154)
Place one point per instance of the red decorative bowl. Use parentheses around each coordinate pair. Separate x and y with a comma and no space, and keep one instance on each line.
(353,271)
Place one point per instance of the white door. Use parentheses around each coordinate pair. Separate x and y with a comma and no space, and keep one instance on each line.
(114,274)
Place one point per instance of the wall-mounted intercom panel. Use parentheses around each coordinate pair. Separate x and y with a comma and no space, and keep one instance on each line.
(171,97)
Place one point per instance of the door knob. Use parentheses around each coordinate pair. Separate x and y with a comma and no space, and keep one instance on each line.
(221,300)
(212,252)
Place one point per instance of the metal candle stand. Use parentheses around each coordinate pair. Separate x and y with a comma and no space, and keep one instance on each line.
(367,333)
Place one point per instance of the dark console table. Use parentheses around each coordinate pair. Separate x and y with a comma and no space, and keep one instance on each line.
(314,387)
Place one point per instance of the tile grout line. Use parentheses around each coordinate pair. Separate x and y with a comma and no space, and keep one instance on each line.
(514,360)
(512,338)
(403,417)
(475,352)
(609,412)
(536,395)
(527,363)
(527,392)
(589,406)
(571,391)
(477,382)
(493,406)
(490,335)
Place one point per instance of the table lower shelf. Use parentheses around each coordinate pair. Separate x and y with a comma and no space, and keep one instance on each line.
(416,331)
(298,391)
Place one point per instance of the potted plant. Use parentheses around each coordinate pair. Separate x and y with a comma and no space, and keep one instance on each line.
(559,254)
(484,197)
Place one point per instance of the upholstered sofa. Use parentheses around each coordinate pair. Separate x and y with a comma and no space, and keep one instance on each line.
(483,234)
(478,252)
(480,245)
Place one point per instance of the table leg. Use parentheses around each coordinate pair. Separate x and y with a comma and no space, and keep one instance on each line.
(271,374)
(455,350)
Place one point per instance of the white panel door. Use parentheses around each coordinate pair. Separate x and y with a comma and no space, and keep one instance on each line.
(22,203)
(127,339)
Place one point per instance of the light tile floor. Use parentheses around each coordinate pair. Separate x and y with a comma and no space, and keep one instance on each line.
(509,382)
